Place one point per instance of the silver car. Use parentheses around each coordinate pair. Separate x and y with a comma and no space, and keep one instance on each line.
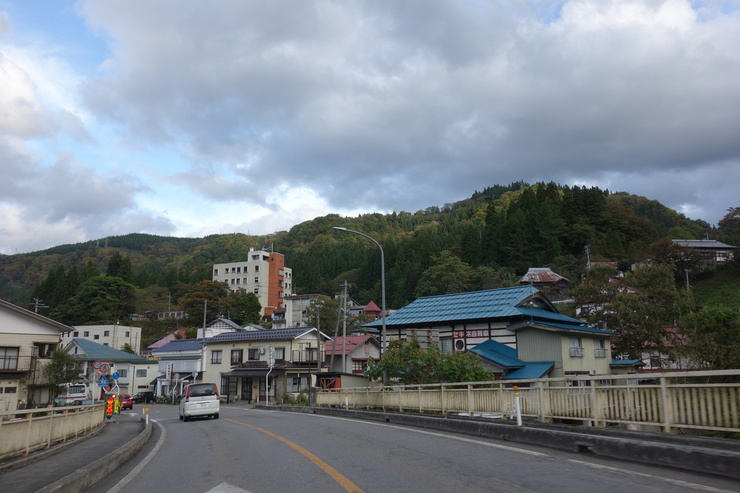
(200,399)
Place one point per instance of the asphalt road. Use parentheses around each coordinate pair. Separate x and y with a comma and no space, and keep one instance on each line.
(263,451)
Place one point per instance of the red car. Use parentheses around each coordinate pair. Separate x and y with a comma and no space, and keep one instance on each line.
(126,401)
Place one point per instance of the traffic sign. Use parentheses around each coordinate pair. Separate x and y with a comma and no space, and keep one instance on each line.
(103,382)
(96,365)
(116,375)
(104,368)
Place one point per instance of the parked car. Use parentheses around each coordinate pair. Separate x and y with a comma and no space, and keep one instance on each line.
(126,402)
(200,399)
(143,397)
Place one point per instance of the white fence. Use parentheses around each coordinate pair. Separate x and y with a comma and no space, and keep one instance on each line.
(24,430)
(705,400)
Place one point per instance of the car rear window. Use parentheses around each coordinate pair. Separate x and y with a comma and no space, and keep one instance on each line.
(202,390)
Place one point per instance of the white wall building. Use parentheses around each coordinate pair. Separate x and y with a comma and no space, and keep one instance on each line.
(262,273)
(113,336)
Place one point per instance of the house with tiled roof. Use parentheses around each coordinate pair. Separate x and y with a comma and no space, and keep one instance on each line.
(179,362)
(27,341)
(253,366)
(350,354)
(711,252)
(521,318)
(545,279)
(134,372)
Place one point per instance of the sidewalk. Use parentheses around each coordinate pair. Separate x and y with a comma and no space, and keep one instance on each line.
(74,466)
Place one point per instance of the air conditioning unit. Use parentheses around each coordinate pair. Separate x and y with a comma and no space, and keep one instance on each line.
(592,372)
(262,350)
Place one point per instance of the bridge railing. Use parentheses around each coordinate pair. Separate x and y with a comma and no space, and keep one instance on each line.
(22,431)
(705,400)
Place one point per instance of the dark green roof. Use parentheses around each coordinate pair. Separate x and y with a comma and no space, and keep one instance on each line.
(97,352)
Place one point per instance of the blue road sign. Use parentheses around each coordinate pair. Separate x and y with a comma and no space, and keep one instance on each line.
(103,382)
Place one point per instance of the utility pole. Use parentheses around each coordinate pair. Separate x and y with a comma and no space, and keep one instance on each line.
(344,326)
(37,303)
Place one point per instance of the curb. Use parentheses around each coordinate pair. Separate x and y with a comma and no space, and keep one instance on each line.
(85,477)
(707,456)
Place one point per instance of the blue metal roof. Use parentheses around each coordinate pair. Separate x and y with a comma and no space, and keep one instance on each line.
(180,345)
(506,303)
(566,327)
(501,354)
(95,351)
(263,335)
(532,370)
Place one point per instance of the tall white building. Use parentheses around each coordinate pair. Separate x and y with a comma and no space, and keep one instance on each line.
(265,275)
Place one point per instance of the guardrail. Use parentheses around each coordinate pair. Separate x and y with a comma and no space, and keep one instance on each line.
(705,400)
(22,431)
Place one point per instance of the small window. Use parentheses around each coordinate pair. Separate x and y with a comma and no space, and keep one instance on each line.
(76,334)
(215,272)
(279,354)
(256,280)
(96,336)
(216,357)
(10,390)
(576,347)
(256,268)
(254,354)
(128,334)
(86,333)
(237,356)
(106,333)
(123,373)
(141,373)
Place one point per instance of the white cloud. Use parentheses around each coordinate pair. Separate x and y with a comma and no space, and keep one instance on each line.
(254,116)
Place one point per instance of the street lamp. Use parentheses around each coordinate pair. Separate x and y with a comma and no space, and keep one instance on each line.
(382,285)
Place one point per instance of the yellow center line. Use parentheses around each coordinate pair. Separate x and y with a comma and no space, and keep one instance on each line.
(333,473)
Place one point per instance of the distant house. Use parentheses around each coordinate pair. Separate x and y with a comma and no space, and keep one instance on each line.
(179,362)
(544,279)
(134,372)
(178,334)
(712,252)
(27,341)
(357,350)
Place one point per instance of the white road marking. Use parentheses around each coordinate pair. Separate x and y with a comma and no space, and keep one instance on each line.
(226,488)
(136,470)
(676,482)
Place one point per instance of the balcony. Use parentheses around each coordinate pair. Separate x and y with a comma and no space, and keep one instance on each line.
(576,352)
(306,356)
(17,364)
(600,353)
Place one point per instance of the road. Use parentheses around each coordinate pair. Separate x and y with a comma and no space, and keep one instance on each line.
(270,451)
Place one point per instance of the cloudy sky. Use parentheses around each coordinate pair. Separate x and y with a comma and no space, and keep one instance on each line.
(190,118)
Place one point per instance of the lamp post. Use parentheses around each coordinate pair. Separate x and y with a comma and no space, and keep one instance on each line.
(382,287)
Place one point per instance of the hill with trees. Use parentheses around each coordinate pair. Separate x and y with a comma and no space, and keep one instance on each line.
(485,241)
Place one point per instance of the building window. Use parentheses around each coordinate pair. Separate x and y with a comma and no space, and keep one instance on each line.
(123,373)
(600,349)
(10,390)
(296,383)
(254,354)
(8,358)
(86,333)
(256,280)
(237,356)
(358,366)
(245,280)
(128,334)
(216,357)
(576,348)
(141,373)
(76,334)
(96,336)
(256,268)
(106,333)
(215,272)
(279,354)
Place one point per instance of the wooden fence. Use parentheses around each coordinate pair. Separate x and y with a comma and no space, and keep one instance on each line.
(24,430)
(704,400)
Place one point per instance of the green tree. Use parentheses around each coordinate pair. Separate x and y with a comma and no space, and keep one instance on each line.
(448,274)
(712,338)
(409,363)
(101,299)
(193,302)
(62,368)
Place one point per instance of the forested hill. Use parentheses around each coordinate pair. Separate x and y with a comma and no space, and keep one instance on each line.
(498,233)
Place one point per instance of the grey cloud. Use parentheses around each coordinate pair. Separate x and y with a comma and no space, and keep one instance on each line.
(430,100)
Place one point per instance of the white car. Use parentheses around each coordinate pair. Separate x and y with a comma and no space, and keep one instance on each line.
(200,399)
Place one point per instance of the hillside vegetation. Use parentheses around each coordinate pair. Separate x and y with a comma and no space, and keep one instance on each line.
(495,235)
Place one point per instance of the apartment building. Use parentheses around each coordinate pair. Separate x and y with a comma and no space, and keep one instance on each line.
(114,336)
(262,273)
